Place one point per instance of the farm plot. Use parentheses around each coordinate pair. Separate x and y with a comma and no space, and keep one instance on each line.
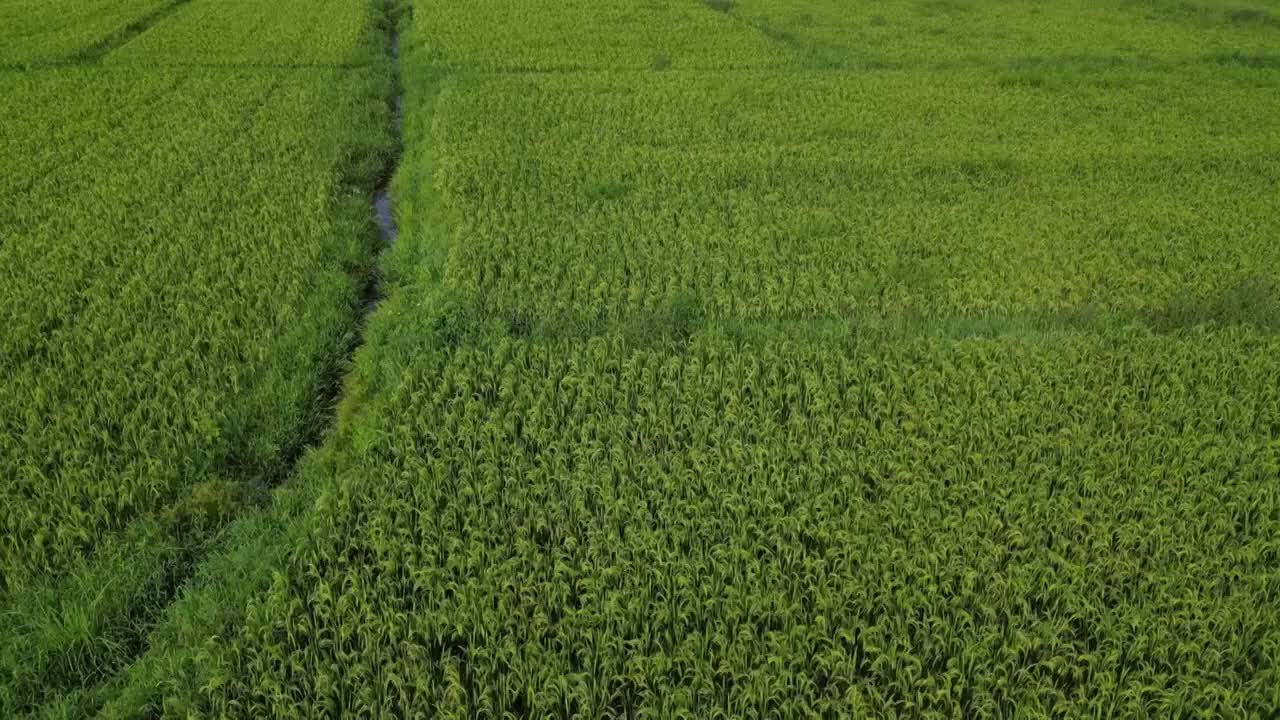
(784,529)
(171,300)
(728,367)
(550,36)
(1075,37)
(619,445)
(250,32)
(34,32)
(36,144)
(592,198)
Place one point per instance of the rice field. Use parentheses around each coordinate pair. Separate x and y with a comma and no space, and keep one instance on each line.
(732,358)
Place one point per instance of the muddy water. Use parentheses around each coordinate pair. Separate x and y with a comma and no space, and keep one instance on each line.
(383,203)
(395,68)
(384,216)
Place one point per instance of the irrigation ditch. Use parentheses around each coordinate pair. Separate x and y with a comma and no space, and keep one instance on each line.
(382,201)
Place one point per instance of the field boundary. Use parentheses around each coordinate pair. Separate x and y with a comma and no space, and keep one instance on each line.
(98,50)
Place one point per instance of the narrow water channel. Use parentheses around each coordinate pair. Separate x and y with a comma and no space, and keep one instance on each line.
(383,204)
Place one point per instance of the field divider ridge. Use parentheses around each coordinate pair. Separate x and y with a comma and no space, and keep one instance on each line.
(98,50)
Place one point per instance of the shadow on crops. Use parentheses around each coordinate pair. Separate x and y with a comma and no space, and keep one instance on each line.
(1253,16)
(931,8)
(677,319)
(1253,61)
(1254,301)
(1066,70)
(673,320)
(1187,11)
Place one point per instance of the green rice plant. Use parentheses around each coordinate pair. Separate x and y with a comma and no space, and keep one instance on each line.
(774,196)
(984,35)
(37,32)
(511,35)
(914,360)
(778,529)
(236,32)
(191,334)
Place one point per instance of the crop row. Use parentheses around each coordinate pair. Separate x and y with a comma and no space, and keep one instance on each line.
(1077,528)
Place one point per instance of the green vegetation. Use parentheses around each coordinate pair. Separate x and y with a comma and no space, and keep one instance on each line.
(37,32)
(966,527)
(821,195)
(172,346)
(232,32)
(1069,37)
(765,358)
(541,36)
(183,255)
